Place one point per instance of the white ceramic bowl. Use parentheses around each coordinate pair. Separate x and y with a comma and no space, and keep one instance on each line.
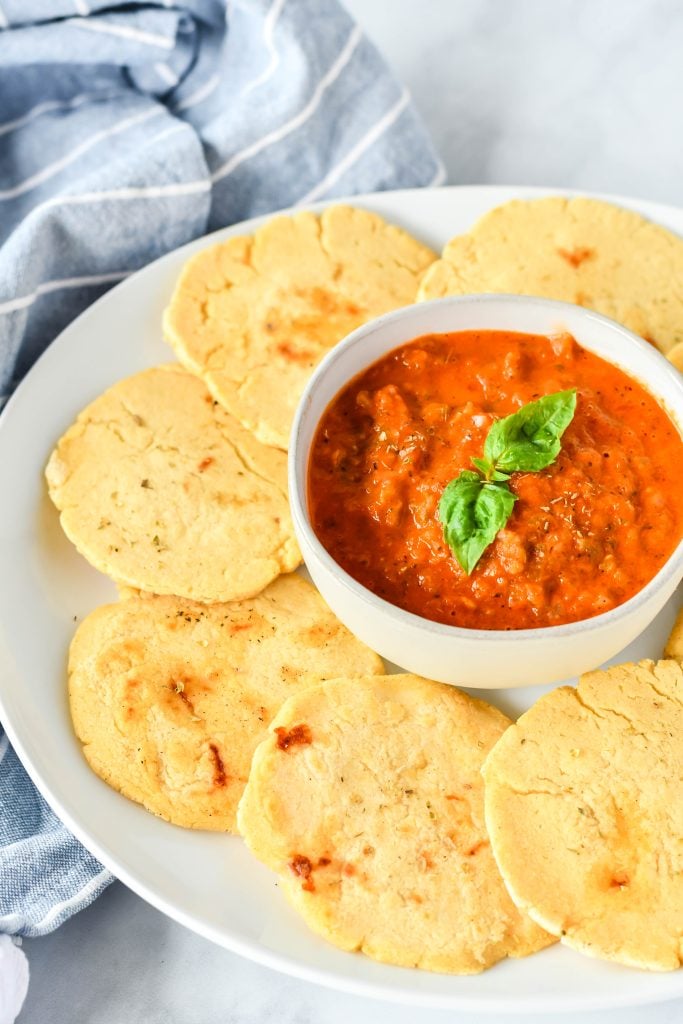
(450,654)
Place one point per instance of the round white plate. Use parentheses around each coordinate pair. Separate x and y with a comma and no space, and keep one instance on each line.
(209,882)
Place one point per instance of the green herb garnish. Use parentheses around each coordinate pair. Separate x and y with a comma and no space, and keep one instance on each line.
(475,506)
(472,512)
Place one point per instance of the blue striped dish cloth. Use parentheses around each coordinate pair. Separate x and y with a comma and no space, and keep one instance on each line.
(126,130)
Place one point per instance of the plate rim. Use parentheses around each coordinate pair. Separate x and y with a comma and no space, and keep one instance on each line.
(252,950)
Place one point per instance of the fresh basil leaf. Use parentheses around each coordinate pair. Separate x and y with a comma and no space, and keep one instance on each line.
(484,466)
(472,512)
(475,506)
(451,497)
(488,470)
(529,439)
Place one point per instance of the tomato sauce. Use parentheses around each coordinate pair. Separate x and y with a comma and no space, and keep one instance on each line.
(586,533)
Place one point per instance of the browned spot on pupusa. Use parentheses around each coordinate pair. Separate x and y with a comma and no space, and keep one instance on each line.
(328,304)
(425,861)
(299,735)
(575,257)
(301,866)
(328,310)
(130,696)
(220,776)
(317,633)
(177,688)
(239,627)
(293,354)
(125,656)
(476,848)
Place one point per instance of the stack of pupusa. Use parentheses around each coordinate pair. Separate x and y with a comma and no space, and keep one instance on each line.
(184,505)
(422,827)
(175,488)
(172,688)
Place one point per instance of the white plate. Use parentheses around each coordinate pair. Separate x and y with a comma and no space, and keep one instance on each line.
(209,882)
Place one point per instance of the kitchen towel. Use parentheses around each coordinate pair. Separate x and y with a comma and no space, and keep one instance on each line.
(125,131)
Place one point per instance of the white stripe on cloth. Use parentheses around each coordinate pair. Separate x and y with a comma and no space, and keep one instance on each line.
(10,921)
(82,8)
(4,23)
(182,188)
(53,286)
(165,74)
(268,30)
(4,746)
(44,108)
(124,32)
(354,154)
(179,126)
(300,118)
(68,158)
(199,94)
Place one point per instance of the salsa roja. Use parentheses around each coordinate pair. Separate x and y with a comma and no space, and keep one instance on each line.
(586,533)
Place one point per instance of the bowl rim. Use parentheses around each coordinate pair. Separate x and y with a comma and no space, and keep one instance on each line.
(298,481)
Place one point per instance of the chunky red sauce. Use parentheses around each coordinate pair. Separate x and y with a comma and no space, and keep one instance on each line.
(586,533)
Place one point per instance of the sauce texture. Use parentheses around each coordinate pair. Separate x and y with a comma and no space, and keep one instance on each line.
(586,534)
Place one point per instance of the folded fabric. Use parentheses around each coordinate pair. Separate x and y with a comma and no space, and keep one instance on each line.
(128,130)
(45,874)
(149,126)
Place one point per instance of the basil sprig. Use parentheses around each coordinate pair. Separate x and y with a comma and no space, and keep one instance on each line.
(472,512)
(475,506)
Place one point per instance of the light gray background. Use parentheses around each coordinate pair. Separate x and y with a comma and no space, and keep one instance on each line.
(574,93)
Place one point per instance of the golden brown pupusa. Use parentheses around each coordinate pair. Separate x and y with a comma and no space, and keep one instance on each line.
(580,250)
(584,806)
(253,315)
(170,698)
(159,488)
(367,799)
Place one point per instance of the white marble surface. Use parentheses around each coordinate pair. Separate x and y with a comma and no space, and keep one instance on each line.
(574,93)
